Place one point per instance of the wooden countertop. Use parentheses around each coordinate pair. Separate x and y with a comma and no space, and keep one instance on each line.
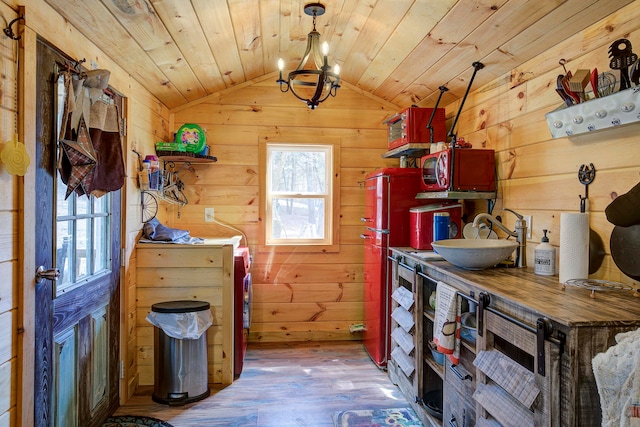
(544,295)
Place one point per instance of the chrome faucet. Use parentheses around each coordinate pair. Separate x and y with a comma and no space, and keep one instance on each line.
(520,234)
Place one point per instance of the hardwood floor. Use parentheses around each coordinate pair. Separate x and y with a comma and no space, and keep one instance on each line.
(285,384)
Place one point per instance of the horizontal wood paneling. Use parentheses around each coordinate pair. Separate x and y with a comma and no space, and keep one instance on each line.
(8,292)
(292,273)
(265,115)
(295,292)
(7,336)
(185,272)
(7,385)
(172,257)
(8,235)
(538,175)
(288,286)
(306,312)
(8,183)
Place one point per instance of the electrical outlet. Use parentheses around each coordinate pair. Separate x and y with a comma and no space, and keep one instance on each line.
(529,220)
(208,215)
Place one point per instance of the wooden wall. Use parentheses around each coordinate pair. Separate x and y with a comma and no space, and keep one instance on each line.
(147,123)
(309,296)
(298,295)
(539,175)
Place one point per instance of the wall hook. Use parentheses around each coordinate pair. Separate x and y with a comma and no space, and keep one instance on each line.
(9,31)
(586,175)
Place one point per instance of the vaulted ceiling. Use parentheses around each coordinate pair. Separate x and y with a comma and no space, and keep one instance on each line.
(398,50)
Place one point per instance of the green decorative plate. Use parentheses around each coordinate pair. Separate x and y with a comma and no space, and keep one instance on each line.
(192,137)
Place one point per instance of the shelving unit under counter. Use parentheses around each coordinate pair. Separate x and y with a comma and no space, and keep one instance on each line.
(411,366)
(547,343)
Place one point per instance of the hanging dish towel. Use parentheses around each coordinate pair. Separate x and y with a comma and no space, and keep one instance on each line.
(446,323)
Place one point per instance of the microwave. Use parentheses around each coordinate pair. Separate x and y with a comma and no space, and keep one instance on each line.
(409,126)
(473,170)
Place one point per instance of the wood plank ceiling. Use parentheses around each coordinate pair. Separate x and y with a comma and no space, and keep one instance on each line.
(399,50)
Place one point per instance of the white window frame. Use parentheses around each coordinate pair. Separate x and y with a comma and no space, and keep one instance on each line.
(331,197)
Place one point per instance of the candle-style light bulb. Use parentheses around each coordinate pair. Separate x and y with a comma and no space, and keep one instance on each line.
(325,51)
(336,69)
(280,67)
(325,48)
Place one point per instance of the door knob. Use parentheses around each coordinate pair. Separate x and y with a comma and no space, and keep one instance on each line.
(50,274)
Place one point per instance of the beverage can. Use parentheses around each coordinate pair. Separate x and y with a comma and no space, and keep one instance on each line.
(440,226)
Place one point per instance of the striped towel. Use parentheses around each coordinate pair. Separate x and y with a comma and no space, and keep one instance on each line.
(446,326)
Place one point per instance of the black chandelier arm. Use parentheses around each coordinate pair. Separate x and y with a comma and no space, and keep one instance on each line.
(334,89)
(283,83)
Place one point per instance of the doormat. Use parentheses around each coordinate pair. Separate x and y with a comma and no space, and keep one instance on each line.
(398,417)
(134,421)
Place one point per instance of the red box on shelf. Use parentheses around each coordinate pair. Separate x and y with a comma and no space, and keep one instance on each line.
(409,126)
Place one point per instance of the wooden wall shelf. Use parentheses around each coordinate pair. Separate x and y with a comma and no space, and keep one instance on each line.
(409,150)
(179,156)
(457,195)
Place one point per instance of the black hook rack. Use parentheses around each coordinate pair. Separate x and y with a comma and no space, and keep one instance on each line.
(75,65)
(8,31)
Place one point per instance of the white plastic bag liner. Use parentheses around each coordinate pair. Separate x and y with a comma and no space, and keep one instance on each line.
(182,326)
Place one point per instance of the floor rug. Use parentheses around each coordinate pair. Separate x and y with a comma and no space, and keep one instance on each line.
(134,421)
(398,417)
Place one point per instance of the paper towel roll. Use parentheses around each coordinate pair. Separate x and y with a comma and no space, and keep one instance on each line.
(574,246)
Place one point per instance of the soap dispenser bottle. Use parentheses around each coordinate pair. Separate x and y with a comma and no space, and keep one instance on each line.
(544,257)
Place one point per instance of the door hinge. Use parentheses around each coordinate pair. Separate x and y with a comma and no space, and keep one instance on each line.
(122,254)
(124,126)
(122,369)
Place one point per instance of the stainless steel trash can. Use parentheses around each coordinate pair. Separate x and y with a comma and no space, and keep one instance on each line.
(180,365)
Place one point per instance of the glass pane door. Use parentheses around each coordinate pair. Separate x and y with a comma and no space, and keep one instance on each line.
(82,227)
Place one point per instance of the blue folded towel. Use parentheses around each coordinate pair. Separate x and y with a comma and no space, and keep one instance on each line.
(154,230)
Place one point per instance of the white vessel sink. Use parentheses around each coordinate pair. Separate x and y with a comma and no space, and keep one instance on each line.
(474,254)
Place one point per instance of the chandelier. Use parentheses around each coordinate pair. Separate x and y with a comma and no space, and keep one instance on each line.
(312,85)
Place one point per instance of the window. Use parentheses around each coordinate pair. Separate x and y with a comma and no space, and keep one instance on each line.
(299,196)
(82,238)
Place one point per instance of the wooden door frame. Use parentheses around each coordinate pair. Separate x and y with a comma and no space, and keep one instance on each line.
(26,227)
